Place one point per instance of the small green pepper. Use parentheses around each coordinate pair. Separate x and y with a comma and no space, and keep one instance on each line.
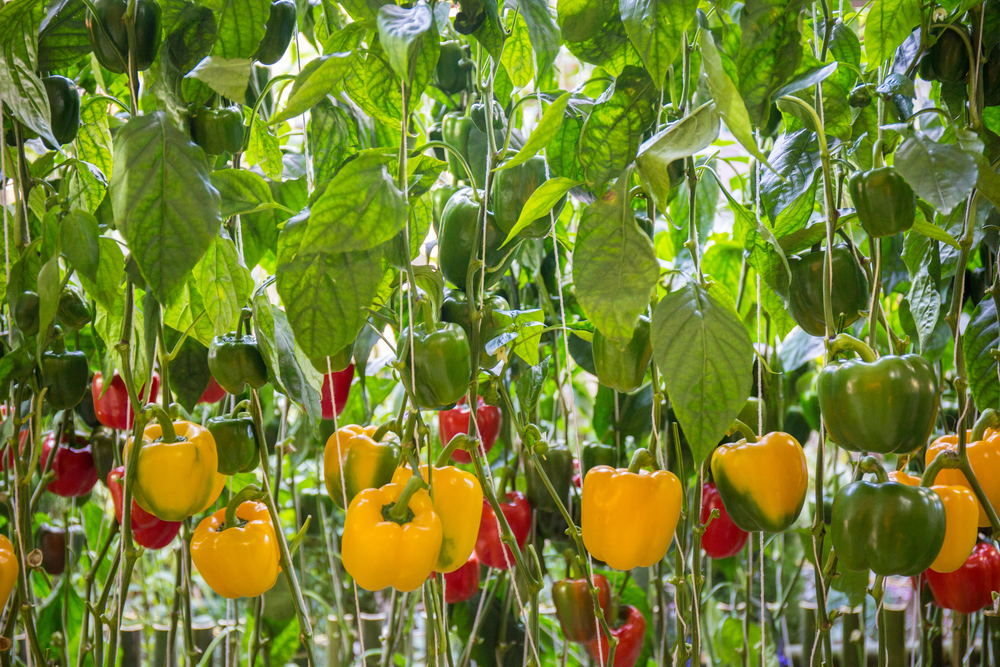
(218,131)
(443,364)
(277,32)
(235,441)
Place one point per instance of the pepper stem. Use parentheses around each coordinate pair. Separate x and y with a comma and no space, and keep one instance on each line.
(169,434)
(244,316)
(744,430)
(400,511)
(945,459)
(847,343)
(989,419)
(242,405)
(247,493)
(383,429)
(642,458)
(871,464)
(459,441)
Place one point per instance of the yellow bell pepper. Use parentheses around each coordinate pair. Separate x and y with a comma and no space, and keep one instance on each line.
(236,549)
(353,459)
(960,526)
(984,457)
(9,569)
(383,546)
(458,502)
(629,516)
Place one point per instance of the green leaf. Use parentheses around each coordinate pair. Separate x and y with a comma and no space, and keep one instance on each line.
(980,339)
(770,52)
(62,36)
(21,89)
(943,175)
(887,24)
(189,373)
(78,234)
(518,58)
(543,133)
(489,31)
(764,252)
(264,150)
(679,140)
(809,79)
(333,135)
(105,286)
(656,28)
(241,26)
(795,160)
(609,48)
(541,201)
(87,185)
(317,79)
(402,32)
(241,191)
(374,87)
(93,140)
(581,20)
(224,284)
(164,203)
(190,32)
(922,226)
(226,76)
(705,357)
(296,380)
(614,265)
(543,31)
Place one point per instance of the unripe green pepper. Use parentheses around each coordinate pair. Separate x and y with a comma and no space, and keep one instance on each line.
(26,313)
(885,201)
(623,369)
(73,309)
(64,108)
(218,131)
(235,361)
(451,75)
(455,309)
(805,292)
(443,364)
(66,375)
(511,190)
(461,133)
(277,33)
(109,36)
(597,454)
(439,199)
(948,59)
(235,441)
(558,466)
(459,221)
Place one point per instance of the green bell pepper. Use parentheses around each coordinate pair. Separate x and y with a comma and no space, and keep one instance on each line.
(557,463)
(442,364)
(885,201)
(109,36)
(218,131)
(277,32)
(73,310)
(451,73)
(948,59)
(439,199)
(511,189)
(805,292)
(66,375)
(26,313)
(459,220)
(455,309)
(597,454)
(235,361)
(64,109)
(103,448)
(235,441)
(623,369)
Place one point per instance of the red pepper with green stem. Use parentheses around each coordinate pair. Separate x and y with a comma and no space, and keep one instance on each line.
(575,607)
(630,633)
(455,421)
(490,550)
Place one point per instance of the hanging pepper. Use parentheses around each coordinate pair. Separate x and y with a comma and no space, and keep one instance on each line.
(983,450)
(113,407)
(277,32)
(623,368)
(595,454)
(442,365)
(336,391)
(235,441)
(235,360)
(64,108)
(885,201)
(26,314)
(148,530)
(948,58)
(73,311)
(762,482)
(630,632)
(236,549)
(218,131)
(66,374)
(557,462)
(103,447)
(463,583)
(51,541)
(109,35)
(969,588)
(490,550)
(512,187)
(456,420)
(451,73)
(575,607)
(628,516)
(213,392)
(722,537)
(9,569)
(460,132)
(352,460)
(805,291)
(961,527)
(392,537)
(73,465)
(455,309)
(461,217)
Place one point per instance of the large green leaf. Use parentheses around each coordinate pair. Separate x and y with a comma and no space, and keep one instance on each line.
(93,140)
(518,58)
(980,339)
(189,32)
(580,20)
(770,51)
(678,140)
(241,26)
(609,47)
(21,89)
(941,174)
(226,76)
(78,233)
(333,135)
(404,33)
(656,28)
(62,36)
(241,192)
(224,284)
(542,30)
(375,88)
(795,160)
(297,379)
(887,24)
(317,79)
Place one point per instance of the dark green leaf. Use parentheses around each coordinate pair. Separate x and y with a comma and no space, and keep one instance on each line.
(62,37)
(770,52)
(21,89)
(296,379)
(795,159)
(979,341)
(189,373)
(544,32)
(656,29)
(679,140)
(941,174)
(78,235)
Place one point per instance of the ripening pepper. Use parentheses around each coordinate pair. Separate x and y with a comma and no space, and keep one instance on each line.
(628,516)
(457,499)
(392,537)
(236,550)
(630,630)
(882,405)
(575,607)
(805,291)
(218,131)
(456,420)
(64,108)
(512,187)
(623,368)
(463,583)
(763,483)
(112,406)
(442,365)
(109,36)
(277,32)
(451,74)
(73,465)
(51,541)
(969,588)
(9,569)
(235,441)
(66,374)
(455,309)
(889,528)
(984,457)
(353,461)
(235,362)
(557,463)
(961,527)
(884,200)
(461,217)
(722,537)
(336,391)
(490,551)
(148,530)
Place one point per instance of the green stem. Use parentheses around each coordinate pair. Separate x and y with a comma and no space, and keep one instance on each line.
(166,424)
(945,459)
(401,510)
(642,458)
(247,493)
(744,429)
(871,464)
(460,441)
(990,418)
(848,343)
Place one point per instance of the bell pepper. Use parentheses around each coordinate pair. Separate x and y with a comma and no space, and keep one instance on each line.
(457,500)
(277,32)
(983,450)
(628,516)
(461,217)
(235,362)
(460,132)
(722,537)
(490,551)
(889,528)
(456,420)
(85,410)
(392,537)
(73,465)
(948,58)
(353,462)
(879,405)
(103,447)
(73,311)
(443,364)
(597,454)
(51,541)
(623,368)
(575,607)
(64,108)
(218,131)
(805,291)
(336,391)
(961,527)
(762,482)
(884,200)
(148,530)
(630,632)
(9,569)
(463,583)
(109,36)
(451,74)
(213,392)
(512,187)
(236,549)
(177,471)
(969,588)
(557,462)
(113,407)
(26,313)
(235,441)
(66,374)
(455,309)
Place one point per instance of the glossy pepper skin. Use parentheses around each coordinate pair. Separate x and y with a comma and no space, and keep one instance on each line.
(457,499)
(73,311)
(66,374)
(64,106)
(557,463)
(459,221)
(762,484)
(442,364)
(111,16)
(378,552)
(235,362)
(277,32)
(176,480)
(490,551)
(103,448)
(805,291)
(623,368)
(460,132)
(463,583)
(884,200)
(631,633)
(336,391)
(113,408)
(351,454)
(9,569)
(51,541)
(235,443)
(73,465)
(628,518)
(511,189)
(969,588)
(984,457)
(450,74)
(242,560)
(455,309)
(218,131)
(575,607)
(961,526)
(456,420)
(722,538)
(148,530)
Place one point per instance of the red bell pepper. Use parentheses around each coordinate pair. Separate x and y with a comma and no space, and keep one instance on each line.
(463,583)
(336,390)
(8,461)
(631,634)
(722,537)
(148,530)
(969,588)
(73,465)
(213,392)
(575,607)
(489,548)
(114,409)
(455,421)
